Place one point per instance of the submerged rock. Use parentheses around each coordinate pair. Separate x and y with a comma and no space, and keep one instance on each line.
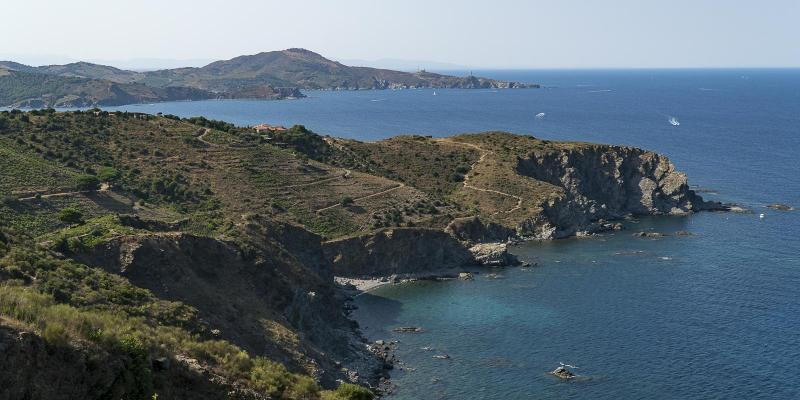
(780,207)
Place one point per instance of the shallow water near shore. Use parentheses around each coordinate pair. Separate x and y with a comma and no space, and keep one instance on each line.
(714,315)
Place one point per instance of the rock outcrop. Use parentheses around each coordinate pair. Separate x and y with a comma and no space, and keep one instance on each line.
(396,251)
(493,255)
(473,230)
(598,182)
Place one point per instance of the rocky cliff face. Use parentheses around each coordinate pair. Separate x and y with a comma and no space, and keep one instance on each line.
(396,251)
(597,183)
(275,298)
(474,230)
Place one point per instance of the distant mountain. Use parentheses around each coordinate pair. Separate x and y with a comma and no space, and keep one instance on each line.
(269,75)
(308,70)
(89,70)
(37,90)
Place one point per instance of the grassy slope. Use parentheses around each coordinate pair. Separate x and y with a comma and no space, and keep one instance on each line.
(200,184)
(203,177)
(217,176)
(71,306)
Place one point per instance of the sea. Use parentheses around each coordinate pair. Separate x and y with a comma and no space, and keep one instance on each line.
(713,315)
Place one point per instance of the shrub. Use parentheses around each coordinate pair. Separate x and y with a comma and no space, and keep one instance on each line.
(346,201)
(456,177)
(88,182)
(269,377)
(55,334)
(71,215)
(347,391)
(8,200)
(107,174)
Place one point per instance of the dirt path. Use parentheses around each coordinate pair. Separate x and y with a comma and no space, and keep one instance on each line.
(346,175)
(484,153)
(203,139)
(369,196)
(103,188)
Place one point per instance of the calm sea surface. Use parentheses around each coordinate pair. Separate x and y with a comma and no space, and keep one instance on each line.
(714,315)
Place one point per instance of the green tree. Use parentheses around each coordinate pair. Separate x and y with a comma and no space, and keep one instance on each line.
(88,182)
(70,215)
(107,174)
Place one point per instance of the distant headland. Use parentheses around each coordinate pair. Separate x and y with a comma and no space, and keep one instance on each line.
(270,75)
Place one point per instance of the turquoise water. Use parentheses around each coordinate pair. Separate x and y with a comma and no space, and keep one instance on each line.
(714,315)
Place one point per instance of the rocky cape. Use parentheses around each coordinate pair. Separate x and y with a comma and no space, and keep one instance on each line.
(270,75)
(248,232)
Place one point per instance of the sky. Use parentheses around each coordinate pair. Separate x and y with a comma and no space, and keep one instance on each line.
(465,33)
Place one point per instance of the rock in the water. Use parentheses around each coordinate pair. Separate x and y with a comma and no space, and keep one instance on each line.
(562,372)
(466,276)
(684,233)
(493,255)
(780,207)
(408,329)
(652,235)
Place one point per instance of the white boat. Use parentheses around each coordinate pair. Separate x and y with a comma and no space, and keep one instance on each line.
(674,121)
(434,93)
(540,115)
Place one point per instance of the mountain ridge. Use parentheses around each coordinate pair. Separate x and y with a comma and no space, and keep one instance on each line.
(267,75)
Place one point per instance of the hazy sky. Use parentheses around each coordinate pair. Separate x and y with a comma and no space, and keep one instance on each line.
(496,33)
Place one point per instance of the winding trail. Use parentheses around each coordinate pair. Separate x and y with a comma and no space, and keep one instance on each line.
(103,188)
(346,175)
(467,185)
(203,139)
(369,196)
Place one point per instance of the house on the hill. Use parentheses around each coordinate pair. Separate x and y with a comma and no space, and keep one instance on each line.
(267,128)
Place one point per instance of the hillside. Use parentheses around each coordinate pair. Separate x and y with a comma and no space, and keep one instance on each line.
(193,258)
(36,90)
(308,70)
(269,75)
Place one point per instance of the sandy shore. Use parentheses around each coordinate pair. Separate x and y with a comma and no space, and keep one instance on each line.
(362,285)
(367,285)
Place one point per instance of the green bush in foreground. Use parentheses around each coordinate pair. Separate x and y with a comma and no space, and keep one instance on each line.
(60,325)
(349,391)
(70,304)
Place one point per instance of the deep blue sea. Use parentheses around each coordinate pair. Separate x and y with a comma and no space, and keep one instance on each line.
(711,316)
